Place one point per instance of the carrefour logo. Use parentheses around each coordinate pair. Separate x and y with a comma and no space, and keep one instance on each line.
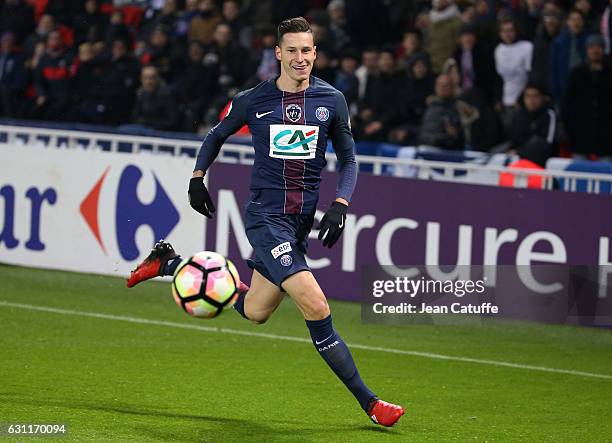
(293,141)
(130,213)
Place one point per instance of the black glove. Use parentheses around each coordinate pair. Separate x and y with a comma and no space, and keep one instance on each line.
(199,198)
(332,224)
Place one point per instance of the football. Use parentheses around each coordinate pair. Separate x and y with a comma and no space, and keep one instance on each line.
(204,284)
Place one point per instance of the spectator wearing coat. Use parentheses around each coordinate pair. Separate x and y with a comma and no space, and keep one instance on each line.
(548,30)
(52,80)
(568,51)
(476,65)
(441,126)
(17,16)
(120,83)
(12,76)
(587,110)
(155,106)
(534,126)
(442,32)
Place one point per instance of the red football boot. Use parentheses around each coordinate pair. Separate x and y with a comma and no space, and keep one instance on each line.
(383,413)
(153,265)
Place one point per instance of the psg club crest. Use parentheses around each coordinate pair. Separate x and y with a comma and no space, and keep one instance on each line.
(322,113)
(293,112)
(286,260)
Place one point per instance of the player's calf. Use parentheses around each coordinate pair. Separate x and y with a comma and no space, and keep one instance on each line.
(258,302)
(252,313)
(336,354)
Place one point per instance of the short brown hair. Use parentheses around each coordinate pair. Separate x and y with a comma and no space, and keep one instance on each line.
(293,25)
(507,20)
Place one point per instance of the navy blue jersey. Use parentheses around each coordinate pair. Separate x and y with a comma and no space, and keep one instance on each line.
(290,132)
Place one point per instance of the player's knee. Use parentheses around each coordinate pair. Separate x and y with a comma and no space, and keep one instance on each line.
(258,318)
(317,309)
(259,321)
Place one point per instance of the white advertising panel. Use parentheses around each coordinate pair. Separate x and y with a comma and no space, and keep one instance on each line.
(90,211)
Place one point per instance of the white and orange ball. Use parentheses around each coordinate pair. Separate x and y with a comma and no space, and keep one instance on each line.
(205,284)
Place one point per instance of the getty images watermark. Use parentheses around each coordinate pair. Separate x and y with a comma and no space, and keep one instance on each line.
(476,294)
(402,287)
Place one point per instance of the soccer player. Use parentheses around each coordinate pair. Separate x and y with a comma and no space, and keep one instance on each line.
(290,118)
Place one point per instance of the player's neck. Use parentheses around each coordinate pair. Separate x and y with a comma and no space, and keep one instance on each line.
(287,84)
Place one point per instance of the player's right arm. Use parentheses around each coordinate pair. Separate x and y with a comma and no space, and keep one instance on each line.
(236,118)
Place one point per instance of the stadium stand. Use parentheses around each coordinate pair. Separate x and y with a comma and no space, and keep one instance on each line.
(433,71)
(381,159)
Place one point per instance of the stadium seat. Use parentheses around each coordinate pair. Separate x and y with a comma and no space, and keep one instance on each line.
(388,150)
(432,153)
(558,163)
(487,177)
(566,164)
(366,148)
(592,167)
(406,152)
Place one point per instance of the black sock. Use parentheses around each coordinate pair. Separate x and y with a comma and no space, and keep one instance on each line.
(337,355)
(171,265)
(239,304)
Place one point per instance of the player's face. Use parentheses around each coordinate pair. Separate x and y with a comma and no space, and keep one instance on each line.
(296,53)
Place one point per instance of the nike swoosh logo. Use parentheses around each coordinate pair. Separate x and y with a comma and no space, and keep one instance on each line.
(258,115)
(341,225)
(319,342)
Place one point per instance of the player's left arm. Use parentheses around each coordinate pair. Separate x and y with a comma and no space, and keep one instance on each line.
(333,222)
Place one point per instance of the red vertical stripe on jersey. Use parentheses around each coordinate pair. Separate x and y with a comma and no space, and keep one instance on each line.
(293,170)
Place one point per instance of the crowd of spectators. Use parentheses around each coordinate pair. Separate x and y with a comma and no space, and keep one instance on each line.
(473,74)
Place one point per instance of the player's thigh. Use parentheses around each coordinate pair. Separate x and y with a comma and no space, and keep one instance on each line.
(262,299)
(303,288)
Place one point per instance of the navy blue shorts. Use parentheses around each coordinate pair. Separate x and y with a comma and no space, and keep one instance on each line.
(280,242)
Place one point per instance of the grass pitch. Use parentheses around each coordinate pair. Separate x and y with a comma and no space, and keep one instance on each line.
(136,368)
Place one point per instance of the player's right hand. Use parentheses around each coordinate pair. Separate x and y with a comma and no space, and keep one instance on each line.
(199,198)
